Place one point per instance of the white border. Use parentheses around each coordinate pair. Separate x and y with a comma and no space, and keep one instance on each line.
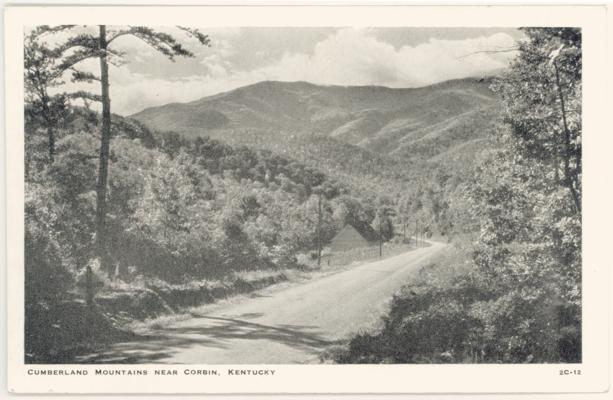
(335,378)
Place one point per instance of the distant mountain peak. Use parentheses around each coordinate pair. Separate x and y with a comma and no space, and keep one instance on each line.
(377,118)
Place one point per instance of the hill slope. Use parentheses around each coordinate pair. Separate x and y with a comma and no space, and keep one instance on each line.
(380,119)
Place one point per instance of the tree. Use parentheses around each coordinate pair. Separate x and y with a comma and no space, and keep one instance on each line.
(527,197)
(412,208)
(403,208)
(97,45)
(40,76)
(542,98)
(383,222)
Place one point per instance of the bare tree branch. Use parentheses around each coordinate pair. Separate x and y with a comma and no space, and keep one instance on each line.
(506,50)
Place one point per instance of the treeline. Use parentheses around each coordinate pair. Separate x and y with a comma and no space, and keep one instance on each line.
(510,291)
(413,191)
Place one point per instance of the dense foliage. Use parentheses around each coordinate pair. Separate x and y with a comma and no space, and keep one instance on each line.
(511,292)
(178,211)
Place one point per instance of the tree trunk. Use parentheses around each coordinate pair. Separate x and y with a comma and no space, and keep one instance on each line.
(51,136)
(568,181)
(50,132)
(380,238)
(105,139)
(319,230)
(89,290)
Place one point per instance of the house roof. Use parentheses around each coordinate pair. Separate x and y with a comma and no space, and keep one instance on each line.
(347,239)
(365,230)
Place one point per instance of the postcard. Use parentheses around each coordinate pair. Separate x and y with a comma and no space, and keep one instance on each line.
(307,199)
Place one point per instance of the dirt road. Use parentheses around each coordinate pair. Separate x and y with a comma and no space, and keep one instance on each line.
(289,325)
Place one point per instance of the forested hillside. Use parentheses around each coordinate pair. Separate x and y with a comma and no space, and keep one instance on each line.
(405,148)
(189,203)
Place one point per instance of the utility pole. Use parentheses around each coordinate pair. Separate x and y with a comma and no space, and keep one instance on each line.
(380,238)
(319,230)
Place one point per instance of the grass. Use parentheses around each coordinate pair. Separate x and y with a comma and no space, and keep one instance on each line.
(237,285)
(365,254)
(444,267)
(158,323)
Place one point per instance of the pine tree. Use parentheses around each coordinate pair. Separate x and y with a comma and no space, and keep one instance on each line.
(98,45)
(41,75)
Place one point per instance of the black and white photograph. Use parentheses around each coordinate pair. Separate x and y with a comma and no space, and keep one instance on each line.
(302,195)
(307,200)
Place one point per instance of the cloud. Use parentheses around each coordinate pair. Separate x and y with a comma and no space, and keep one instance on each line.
(355,57)
(346,57)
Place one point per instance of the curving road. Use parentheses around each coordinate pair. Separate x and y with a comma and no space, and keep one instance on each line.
(285,325)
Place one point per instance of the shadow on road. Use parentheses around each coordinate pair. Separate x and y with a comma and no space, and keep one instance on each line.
(208,332)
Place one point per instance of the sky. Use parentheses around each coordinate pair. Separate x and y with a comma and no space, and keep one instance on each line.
(393,57)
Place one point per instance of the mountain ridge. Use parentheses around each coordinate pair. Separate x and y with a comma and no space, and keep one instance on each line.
(310,84)
(376,118)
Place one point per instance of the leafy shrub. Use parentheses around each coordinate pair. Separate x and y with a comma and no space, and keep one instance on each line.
(451,314)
